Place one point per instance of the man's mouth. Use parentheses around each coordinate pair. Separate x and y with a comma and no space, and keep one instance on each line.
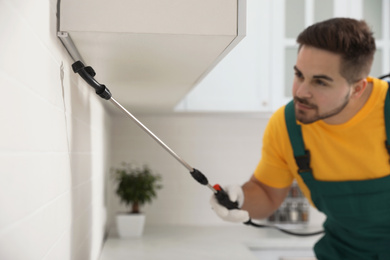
(303,105)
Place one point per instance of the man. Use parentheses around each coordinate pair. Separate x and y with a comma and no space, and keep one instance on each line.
(335,131)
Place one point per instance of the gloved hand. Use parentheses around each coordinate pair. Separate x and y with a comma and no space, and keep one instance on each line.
(235,193)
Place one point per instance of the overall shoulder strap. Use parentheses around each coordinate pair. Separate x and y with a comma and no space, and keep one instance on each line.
(302,156)
(387,118)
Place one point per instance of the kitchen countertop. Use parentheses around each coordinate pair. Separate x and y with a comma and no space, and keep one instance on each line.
(206,243)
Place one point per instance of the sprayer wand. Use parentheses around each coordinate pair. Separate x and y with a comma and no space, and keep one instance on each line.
(87,73)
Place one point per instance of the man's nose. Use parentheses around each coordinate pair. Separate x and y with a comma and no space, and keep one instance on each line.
(303,90)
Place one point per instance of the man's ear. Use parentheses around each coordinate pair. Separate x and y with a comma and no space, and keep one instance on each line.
(359,87)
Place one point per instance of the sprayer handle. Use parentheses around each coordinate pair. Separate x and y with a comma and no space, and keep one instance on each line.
(87,73)
(223,198)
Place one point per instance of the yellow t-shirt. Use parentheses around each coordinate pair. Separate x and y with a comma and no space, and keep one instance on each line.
(354,150)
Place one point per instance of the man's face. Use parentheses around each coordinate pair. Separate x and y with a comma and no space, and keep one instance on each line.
(319,91)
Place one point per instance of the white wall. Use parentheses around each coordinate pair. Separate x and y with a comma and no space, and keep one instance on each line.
(53,149)
(226,148)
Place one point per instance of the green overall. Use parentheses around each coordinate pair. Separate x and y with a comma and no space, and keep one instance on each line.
(358,212)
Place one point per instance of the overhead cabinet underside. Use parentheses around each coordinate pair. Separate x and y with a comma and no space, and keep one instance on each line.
(150,53)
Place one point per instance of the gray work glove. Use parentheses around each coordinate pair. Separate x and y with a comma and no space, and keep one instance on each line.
(235,193)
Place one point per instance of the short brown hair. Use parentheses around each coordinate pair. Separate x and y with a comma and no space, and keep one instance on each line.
(350,38)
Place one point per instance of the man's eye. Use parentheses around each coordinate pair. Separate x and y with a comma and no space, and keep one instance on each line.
(298,75)
(320,82)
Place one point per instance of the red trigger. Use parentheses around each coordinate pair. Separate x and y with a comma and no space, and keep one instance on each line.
(217,187)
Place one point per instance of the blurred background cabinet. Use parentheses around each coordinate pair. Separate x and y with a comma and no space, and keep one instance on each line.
(257,75)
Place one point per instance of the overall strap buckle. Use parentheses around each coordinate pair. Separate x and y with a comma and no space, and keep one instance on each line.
(387,146)
(303,162)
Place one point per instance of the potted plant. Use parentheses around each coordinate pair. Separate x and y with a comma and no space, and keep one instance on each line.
(135,187)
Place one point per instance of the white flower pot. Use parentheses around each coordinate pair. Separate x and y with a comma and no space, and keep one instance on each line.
(130,225)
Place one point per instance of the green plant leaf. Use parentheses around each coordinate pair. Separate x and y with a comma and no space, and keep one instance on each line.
(136,185)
